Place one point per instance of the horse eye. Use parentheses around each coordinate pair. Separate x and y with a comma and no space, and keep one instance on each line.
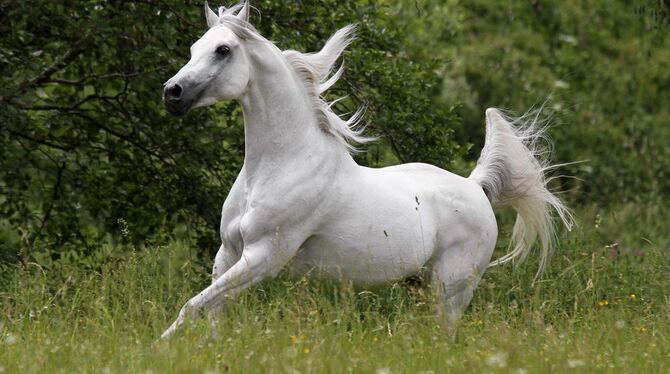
(222,50)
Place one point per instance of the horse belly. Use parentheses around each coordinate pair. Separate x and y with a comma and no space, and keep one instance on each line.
(371,253)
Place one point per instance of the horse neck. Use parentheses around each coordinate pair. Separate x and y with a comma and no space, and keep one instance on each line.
(280,126)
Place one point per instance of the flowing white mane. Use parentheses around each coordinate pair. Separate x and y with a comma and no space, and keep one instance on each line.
(315,71)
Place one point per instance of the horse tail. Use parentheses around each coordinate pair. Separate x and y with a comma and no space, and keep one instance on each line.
(511,171)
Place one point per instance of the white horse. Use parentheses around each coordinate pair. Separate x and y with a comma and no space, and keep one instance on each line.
(301,200)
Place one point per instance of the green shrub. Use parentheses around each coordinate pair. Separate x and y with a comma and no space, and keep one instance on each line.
(600,68)
(87,149)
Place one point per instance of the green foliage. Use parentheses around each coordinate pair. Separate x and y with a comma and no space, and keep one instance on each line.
(88,155)
(601,68)
(87,149)
(87,146)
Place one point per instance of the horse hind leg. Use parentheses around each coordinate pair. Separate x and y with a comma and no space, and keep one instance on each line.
(456,274)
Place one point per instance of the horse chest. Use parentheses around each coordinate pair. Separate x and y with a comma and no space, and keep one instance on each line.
(231,218)
(231,234)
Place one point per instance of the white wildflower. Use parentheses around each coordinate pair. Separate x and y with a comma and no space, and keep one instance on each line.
(497,359)
(10,339)
(570,39)
(561,84)
(575,363)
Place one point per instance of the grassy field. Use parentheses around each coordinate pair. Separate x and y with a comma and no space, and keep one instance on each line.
(603,306)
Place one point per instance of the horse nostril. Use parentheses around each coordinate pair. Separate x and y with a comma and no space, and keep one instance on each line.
(173,93)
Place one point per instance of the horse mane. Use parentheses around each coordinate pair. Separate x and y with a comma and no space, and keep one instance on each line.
(315,72)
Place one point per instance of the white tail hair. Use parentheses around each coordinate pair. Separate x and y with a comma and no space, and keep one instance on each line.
(315,70)
(511,170)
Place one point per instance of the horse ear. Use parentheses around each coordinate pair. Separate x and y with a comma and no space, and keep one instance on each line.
(211,17)
(243,14)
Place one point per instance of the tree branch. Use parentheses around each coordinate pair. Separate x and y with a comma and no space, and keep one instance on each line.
(115,133)
(47,215)
(75,49)
(39,141)
(99,77)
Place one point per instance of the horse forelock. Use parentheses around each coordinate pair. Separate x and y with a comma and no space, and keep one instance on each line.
(242,29)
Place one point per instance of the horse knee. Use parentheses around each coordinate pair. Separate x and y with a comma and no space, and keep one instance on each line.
(224,260)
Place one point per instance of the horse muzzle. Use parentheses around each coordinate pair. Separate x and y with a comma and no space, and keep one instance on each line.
(178,100)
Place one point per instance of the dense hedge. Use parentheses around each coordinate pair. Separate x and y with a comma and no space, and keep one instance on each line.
(601,69)
(89,155)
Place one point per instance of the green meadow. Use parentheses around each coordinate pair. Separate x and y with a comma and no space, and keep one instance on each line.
(603,306)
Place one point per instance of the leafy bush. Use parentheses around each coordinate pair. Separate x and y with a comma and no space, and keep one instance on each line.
(88,150)
(88,155)
(602,67)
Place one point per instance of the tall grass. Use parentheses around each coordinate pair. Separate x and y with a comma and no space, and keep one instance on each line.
(600,307)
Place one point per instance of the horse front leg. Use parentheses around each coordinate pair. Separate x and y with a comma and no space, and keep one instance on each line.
(260,260)
(225,259)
